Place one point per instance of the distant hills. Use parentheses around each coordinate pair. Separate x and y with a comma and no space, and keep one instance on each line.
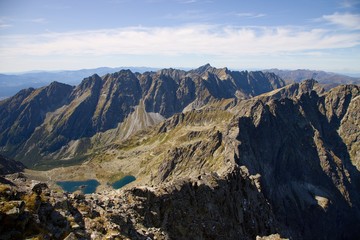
(12,83)
(327,79)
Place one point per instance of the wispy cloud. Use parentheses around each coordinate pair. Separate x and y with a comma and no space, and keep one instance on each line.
(250,15)
(345,20)
(195,39)
(194,1)
(187,1)
(37,20)
(349,3)
(9,22)
(188,15)
(4,24)
(118,1)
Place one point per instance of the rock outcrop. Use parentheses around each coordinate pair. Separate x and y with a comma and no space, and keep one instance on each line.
(207,207)
(8,166)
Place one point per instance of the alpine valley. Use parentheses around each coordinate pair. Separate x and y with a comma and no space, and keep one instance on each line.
(216,154)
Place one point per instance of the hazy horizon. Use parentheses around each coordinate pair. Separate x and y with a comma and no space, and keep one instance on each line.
(70,35)
(350,74)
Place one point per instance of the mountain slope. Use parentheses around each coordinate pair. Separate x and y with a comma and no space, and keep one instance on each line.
(8,166)
(21,114)
(101,104)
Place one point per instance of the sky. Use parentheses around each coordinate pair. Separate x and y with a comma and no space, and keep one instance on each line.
(239,34)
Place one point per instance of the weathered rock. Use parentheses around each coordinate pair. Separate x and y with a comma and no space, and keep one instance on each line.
(271,237)
(16,208)
(39,187)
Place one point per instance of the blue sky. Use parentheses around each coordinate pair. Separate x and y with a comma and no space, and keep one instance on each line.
(257,34)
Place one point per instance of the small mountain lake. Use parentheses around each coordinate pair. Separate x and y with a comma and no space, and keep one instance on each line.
(88,186)
(122,182)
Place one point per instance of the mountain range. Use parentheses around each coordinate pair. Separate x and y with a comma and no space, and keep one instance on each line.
(12,83)
(56,121)
(217,154)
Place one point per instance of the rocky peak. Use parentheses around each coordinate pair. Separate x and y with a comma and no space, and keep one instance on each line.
(202,69)
(337,101)
(122,74)
(91,84)
(172,73)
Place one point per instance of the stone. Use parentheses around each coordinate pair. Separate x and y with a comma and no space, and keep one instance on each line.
(71,236)
(271,237)
(17,208)
(38,188)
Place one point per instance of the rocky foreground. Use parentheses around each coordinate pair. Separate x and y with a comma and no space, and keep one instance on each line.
(208,207)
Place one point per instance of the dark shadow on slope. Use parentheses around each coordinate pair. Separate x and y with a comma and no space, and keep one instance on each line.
(279,144)
(232,208)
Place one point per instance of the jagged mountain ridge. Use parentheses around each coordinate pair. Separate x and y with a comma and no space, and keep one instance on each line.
(100,104)
(284,161)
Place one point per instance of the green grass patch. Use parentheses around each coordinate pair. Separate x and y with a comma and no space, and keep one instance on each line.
(45,165)
(117,176)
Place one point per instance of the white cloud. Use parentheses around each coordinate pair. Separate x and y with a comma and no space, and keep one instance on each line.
(207,43)
(345,20)
(194,39)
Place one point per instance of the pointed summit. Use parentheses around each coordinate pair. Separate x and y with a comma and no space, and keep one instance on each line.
(202,69)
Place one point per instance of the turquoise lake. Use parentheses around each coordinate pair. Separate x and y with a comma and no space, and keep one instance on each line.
(88,186)
(122,182)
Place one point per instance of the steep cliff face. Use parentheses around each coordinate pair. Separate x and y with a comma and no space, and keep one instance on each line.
(21,114)
(119,94)
(349,131)
(306,171)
